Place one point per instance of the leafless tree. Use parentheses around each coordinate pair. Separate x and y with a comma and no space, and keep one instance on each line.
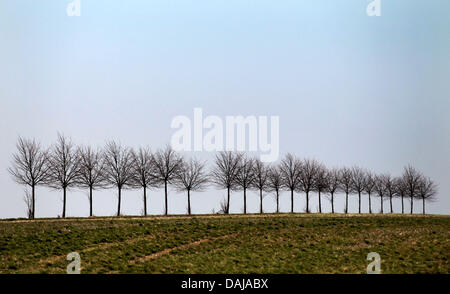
(261,174)
(334,184)
(143,172)
(389,184)
(64,167)
(307,175)
(191,177)
(118,168)
(29,166)
(245,177)
(28,199)
(369,186)
(290,168)
(275,183)
(91,175)
(167,164)
(346,184)
(223,206)
(427,191)
(321,182)
(224,174)
(411,177)
(358,183)
(400,190)
(380,187)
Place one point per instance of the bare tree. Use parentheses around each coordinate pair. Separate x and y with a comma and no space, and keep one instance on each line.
(225,172)
(64,167)
(191,177)
(28,199)
(346,184)
(307,175)
(427,191)
(143,172)
(411,178)
(380,187)
(369,186)
(275,183)
(29,166)
(290,168)
(261,174)
(321,182)
(245,177)
(167,164)
(389,184)
(400,190)
(334,184)
(91,175)
(118,168)
(358,183)
(223,206)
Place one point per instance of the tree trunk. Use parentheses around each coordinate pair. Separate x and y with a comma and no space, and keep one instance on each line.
(33,200)
(307,202)
(260,201)
(278,201)
(423,205)
(145,201)
(381,203)
(119,200)
(64,203)
(90,200)
(245,201)
(359,202)
(189,201)
(292,201)
(228,201)
(320,204)
(370,204)
(390,200)
(332,202)
(412,203)
(403,210)
(165,198)
(346,202)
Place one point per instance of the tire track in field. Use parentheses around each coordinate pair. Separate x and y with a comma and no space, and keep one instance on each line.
(100,246)
(179,247)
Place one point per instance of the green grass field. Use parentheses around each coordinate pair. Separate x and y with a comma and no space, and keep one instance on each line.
(296,243)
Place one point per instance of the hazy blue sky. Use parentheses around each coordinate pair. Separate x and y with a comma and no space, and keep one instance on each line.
(349,89)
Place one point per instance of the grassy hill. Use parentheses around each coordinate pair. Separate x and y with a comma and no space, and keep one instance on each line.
(296,243)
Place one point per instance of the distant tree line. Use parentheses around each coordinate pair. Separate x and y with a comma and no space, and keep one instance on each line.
(65,165)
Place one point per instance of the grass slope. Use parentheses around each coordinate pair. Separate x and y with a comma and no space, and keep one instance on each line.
(296,243)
